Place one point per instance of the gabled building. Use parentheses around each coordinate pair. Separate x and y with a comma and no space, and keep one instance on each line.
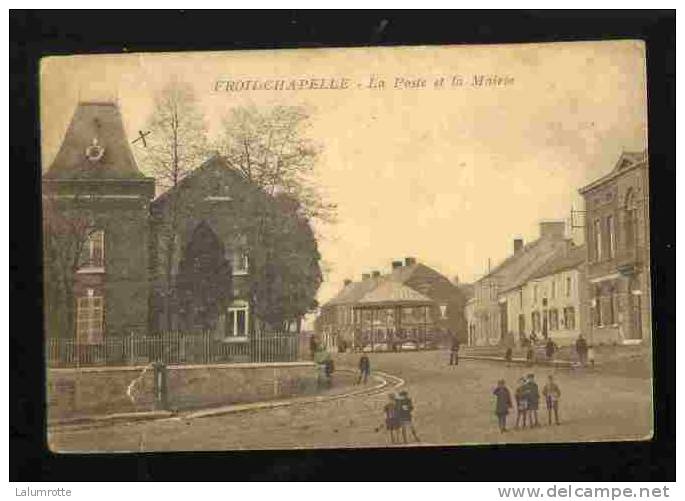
(618,266)
(413,303)
(120,265)
(488,317)
(551,302)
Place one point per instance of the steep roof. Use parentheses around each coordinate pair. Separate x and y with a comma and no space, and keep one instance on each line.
(393,292)
(101,123)
(562,261)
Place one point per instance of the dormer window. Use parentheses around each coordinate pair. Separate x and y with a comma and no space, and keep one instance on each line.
(93,252)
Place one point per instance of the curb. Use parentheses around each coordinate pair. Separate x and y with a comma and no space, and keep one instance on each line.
(521,361)
(230,409)
(107,418)
(386,380)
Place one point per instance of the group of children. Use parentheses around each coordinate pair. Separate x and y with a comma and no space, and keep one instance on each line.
(527,397)
(398,417)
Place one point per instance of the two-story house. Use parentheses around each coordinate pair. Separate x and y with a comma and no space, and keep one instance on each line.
(617,236)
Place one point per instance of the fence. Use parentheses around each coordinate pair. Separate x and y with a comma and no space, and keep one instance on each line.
(172,348)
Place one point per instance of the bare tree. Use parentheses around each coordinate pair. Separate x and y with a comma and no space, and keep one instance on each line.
(270,148)
(177,144)
(65,233)
(178,136)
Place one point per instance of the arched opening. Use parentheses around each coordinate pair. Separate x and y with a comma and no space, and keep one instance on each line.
(204,285)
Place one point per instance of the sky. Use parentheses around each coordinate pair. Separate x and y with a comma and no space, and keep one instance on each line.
(447,174)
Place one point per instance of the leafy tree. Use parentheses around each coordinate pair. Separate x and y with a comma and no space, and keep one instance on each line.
(269,147)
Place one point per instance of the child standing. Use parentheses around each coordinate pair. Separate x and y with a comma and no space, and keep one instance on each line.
(404,408)
(502,404)
(521,404)
(391,423)
(552,393)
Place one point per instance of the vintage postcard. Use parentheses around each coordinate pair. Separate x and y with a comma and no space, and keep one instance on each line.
(346,247)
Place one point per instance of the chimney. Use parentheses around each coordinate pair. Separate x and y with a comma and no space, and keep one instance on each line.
(366,276)
(552,229)
(396,264)
(375,273)
(518,245)
(408,261)
(347,282)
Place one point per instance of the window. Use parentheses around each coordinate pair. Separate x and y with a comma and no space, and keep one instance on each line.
(237,321)
(553,320)
(93,251)
(535,293)
(521,298)
(522,324)
(570,317)
(535,321)
(240,262)
(630,218)
(89,319)
(598,239)
(554,289)
(597,304)
(611,307)
(569,285)
(612,236)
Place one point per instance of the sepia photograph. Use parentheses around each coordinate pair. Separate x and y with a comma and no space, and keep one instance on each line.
(366,247)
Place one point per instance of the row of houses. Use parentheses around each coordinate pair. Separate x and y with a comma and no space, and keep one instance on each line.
(553,288)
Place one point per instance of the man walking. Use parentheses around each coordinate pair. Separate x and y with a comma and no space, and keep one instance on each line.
(364,369)
(532,393)
(454,351)
(404,409)
(552,393)
(502,404)
(581,349)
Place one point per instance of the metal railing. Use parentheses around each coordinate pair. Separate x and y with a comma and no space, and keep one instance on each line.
(172,348)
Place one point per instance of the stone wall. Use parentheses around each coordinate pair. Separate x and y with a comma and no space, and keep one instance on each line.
(91,391)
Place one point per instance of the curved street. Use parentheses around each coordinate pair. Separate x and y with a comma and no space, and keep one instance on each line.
(453,405)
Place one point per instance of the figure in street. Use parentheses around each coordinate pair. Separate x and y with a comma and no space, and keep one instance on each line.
(507,355)
(364,369)
(552,393)
(312,346)
(454,351)
(329,368)
(404,408)
(591,356)
(532,394)
(502,404)
(391,420)
(581,350)
(550,349)
(530,354)
(521,404)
